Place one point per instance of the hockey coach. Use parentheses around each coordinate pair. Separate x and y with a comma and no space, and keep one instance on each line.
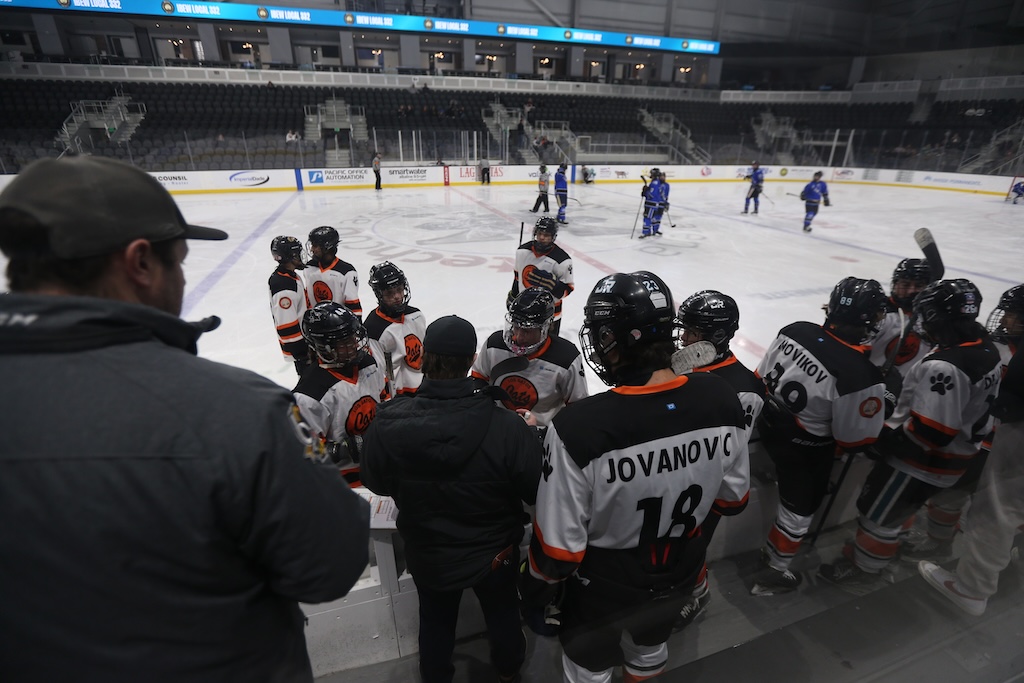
(159,519)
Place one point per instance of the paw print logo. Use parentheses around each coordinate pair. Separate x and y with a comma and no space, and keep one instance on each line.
(748,416)
(546,469)
(941,384)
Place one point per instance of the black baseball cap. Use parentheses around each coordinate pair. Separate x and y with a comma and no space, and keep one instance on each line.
(450,336)
(92,205)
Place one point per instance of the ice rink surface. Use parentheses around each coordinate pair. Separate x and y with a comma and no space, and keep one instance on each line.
(456,246)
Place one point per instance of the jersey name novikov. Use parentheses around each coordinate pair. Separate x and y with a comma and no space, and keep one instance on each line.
(804,361)
(667,455)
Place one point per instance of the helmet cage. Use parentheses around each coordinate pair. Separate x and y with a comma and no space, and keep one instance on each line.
(335,334)
(385,276)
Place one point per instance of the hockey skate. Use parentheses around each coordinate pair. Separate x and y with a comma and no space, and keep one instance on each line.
(694,608)
(929,549)
(754,212)
(563,221)
(745,212)
(807,228)
(770,581)
(844,572)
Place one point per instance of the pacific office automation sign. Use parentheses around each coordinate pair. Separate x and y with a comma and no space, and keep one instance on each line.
(224,11)
(333,177)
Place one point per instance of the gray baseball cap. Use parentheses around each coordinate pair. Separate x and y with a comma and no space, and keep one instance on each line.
(92,205)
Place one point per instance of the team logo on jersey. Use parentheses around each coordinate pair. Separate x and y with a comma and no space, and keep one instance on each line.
(321,292)
(360,415)
(413,351)
(941,383)
(521,392)
(285,303)
(545,468)
(908,349)
(870,407)
(312,448)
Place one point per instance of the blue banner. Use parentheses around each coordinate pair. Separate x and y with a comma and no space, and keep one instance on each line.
(221,11)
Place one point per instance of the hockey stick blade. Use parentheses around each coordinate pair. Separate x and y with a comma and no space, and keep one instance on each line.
(693,356)
(924,239)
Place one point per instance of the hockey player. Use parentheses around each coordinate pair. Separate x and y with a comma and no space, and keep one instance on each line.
(813,194)
(1005,325)
(542,263)
(338,395)
(756,178)
(714,317)
(628,477)
(561,193)
(328,278)
(542,189)
(541,373)
(288,300)
(823,393)
(910,277)
(942,416)
(655,203)
(397,327)
(1017,191)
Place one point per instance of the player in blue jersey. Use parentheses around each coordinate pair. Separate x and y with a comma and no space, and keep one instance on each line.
(561,192)
(1017,191)
(756,178)
(655,203)
(815,192)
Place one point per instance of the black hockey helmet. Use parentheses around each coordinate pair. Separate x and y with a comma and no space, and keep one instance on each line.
(287,248)
(1006,321)
(818,174)
(335,333)
(947,311)
(624,310)
(528,320)
(385,276)
(324,237)
(543,168)
(562,166)
(712,316)
(755,164)
(913,271)
(855,309)
(548,225)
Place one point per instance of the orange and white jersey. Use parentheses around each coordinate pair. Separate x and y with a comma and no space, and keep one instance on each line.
(402,339)
(829,387)
(338,282)
(912,350)
(287,304)
(543,382)
(556,264)
(341,402)
(638,467)
(945,408)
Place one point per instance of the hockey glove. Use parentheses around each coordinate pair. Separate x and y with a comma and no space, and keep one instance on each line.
(803,196)
(542,278)
(664,205)
(827,202)
(893,389)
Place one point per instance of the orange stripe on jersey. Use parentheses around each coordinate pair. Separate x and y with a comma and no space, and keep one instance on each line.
(710,368)
(729,504)
(539,352)
(554,553)
(477,375)
(937,426)
(653,389)
(536,570)
(287,325)
(854,444)
(288,338)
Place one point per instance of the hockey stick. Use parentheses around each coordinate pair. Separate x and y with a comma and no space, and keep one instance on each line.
(770,200)
(577,201)
(793,194)
(670,223)
(643,200)
(522,227)
(924,239)
(692,356)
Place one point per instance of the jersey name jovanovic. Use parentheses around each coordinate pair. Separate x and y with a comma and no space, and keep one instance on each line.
(638,467)
(829,387)
(543,382)
(402,339)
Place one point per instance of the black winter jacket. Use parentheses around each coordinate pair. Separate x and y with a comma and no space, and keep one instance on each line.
(459,468)
(158,521)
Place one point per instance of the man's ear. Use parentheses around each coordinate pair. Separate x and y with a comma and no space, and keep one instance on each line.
(140,265)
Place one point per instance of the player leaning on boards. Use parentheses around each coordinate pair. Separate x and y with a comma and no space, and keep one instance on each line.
(542,263)
(165,525)
(628,477)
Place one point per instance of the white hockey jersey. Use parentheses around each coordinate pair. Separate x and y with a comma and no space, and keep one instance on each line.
(912,350)
(828,386)
(555,264)
(945,408)
(338,282)
(287,304)
(543,382)
(402,340)
(630,474)
(341,403)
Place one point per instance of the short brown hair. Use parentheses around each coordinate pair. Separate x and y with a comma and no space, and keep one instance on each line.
(436,366)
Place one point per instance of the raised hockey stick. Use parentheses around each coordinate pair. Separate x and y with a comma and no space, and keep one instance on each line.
(924,239)
(522,227)
(693,356)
